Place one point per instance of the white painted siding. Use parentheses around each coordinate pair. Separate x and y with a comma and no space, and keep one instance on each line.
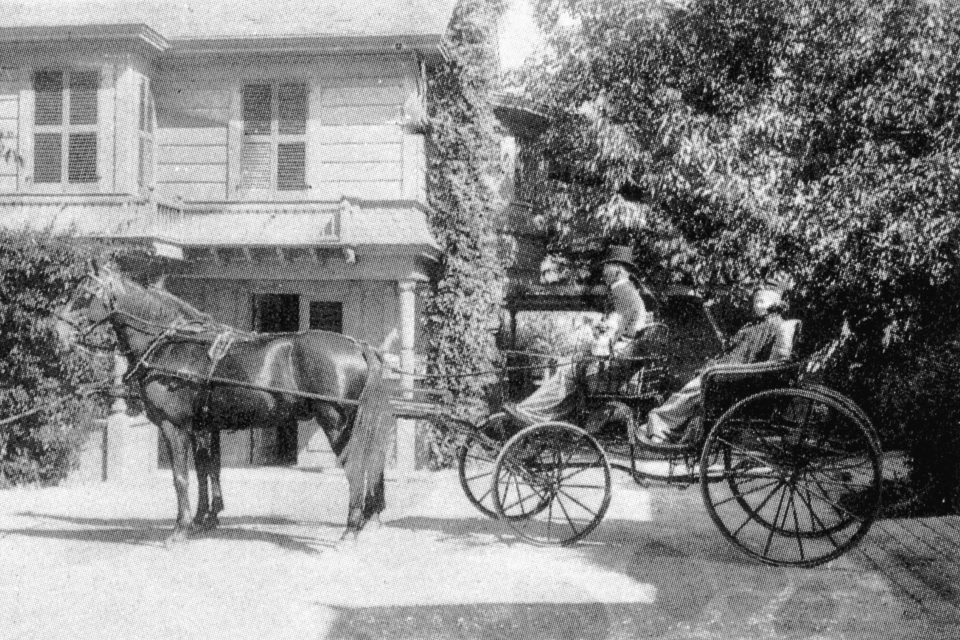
(355,144)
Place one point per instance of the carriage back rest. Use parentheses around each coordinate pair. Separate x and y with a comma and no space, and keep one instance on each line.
(725,385)
(653,338)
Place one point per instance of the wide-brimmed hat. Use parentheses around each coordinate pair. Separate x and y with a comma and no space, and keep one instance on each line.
(623,255)
(780,283)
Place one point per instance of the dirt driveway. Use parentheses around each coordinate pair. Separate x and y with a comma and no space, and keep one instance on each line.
(88,562)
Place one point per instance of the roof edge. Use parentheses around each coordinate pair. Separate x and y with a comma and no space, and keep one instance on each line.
(138,32)
(429,46)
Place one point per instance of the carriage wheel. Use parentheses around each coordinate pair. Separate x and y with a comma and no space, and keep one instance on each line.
(803,477)
(476,459)
(552,483)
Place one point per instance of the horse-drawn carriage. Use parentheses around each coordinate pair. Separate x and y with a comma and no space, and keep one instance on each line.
(789,470)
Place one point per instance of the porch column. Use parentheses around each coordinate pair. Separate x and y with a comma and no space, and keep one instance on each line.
(131,443)
(407,429)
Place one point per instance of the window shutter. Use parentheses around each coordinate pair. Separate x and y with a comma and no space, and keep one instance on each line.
(47,158)
(291,166)
(83,97)
(257,109)
(255,173)
(48,86)
(82,162)
(292,109)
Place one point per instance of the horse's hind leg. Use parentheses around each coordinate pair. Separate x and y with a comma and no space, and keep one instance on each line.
(177,445)
(213,468)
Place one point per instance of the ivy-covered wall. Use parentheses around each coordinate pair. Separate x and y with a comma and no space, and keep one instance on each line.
(463,304)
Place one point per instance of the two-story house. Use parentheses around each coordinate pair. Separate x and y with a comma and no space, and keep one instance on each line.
(269,147)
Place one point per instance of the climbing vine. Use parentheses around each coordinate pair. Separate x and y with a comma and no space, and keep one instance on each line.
(464,299)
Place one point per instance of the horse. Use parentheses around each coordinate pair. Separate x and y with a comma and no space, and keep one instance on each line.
(191,392)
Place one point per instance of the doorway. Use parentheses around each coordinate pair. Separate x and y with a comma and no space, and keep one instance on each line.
(275,313)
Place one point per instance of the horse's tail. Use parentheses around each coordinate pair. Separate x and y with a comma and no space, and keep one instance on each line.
(366,451)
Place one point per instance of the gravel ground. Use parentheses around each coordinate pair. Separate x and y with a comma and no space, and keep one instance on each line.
(89,561)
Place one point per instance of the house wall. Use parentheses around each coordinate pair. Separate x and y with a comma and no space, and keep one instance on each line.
(9,128)
(370,311)
(355,144)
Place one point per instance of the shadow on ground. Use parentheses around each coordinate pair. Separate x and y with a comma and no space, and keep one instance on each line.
(154,532)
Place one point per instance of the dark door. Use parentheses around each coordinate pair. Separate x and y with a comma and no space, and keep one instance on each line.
(275,313)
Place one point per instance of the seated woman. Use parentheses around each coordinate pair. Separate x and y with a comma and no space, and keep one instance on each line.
(753,343)
(554,397)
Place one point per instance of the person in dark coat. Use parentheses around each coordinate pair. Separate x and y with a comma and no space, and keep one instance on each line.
(754,343)
(627,316)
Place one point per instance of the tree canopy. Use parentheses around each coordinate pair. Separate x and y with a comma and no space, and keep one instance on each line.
(728,140)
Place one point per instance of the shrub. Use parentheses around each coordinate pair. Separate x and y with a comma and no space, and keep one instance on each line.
(917,408)
(37,272)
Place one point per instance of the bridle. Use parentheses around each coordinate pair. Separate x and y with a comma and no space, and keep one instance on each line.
(94,287)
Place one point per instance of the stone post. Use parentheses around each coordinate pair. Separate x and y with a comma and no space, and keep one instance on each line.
(407,429)
(131,443)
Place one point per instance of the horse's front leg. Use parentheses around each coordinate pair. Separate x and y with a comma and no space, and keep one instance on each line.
(178,446)
(213,469)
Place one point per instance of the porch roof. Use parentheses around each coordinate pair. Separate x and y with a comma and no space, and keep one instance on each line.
(385,227)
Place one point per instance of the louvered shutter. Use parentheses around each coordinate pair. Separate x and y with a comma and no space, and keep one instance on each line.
(83,97)
(257,149)
(82,158)
(257,109)
(292,109)
(48,87)
(256,165)
(47,158)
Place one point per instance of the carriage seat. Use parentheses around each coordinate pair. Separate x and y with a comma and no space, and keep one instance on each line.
(725,384)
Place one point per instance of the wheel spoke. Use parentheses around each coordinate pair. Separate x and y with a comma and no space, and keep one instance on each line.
(479,475)
(744,494)
(566,514)
(813,514)
(580,504)
(766,548)
(796,521)
(760,506)
(744,453)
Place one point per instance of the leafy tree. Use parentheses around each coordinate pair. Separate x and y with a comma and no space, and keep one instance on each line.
(728,140)
(37,272)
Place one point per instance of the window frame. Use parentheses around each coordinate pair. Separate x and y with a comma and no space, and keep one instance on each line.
(275,139)
(146,138)
(65,129)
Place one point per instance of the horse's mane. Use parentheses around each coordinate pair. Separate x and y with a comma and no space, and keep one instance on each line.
(154,304)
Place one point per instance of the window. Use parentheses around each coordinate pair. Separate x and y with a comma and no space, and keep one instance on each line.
(274,137)
(65,127)
(326,315)
(145,172)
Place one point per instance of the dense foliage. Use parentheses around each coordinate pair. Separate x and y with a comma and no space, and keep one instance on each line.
(37,272)
(728,140)
(462,306)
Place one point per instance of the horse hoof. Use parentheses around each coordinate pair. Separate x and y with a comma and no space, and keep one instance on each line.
(178,537)
(208,523)
(349,539)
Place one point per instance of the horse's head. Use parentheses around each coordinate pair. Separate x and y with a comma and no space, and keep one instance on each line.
(90,305)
